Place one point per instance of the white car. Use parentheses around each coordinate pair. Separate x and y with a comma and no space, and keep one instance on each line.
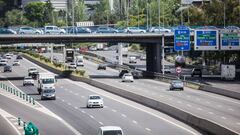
(132,59)
(95,101)
(134,30)
(16,63)
(72,65)
(110,130)
(159,30)
(8,56)
(28,81)
(80,63)
(32,70)
(127,77)
(53,30)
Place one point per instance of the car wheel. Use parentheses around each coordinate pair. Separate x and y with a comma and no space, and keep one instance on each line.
(23,84)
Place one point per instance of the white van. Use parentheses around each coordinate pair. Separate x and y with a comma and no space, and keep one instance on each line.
(110,130)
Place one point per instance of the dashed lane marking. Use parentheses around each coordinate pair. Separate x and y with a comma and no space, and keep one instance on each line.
(199,109)
(148,129)
(224,118)
(135,122)
(91,116)
(114,110)
(100,123)
(189,105)
(123,115)
(230,109)
(69,104)
(76,107)
(210,112)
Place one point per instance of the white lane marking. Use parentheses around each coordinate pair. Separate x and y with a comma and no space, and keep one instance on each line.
(199,109)
(179,102)
(170,99)
(100,123)
(148,129)
(210,112)
(66,89)
(91,116)
(198,99)
(135,122)
(76,107)
(83,111)
(164,119)
(63,100)
(69,103)
(76,94)
(188,96)
(189,105)
(238,123)
(114,110)
(161,96)
(105,106)
(61,87)
(82,96)
(224,118)
(123,115)
(5,114)
(230,109)
(20,128)
(71,91)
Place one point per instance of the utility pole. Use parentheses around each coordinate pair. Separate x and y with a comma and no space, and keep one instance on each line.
(73,3)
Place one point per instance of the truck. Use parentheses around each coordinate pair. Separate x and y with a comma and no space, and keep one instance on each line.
(69,55)
(100,46)
(45,81)
(228,72)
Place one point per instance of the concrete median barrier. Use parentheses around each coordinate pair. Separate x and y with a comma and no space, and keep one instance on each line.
(187,117)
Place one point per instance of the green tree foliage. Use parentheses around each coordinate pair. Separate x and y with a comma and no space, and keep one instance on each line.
(80,14)
(14,17)
(34,12)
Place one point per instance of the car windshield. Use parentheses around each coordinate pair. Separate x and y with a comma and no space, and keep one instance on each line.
(80,60)
(116,132)
(95,97)
(49,91)
(28,78)
(48,81)
(72,63)
(177,82)
(128,75)
(32,69)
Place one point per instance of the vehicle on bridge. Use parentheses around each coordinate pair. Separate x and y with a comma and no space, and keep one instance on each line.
(53,30)
(79,30)
(106,30)
(159,30)
(110,130)
(134,30)
(48,93)
(7,31)
(95,101)
(46,81)
(29,30)
(196,71)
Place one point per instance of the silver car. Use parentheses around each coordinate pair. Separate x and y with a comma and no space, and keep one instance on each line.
(29,30)
(176,84)
(134,30)
(53,30)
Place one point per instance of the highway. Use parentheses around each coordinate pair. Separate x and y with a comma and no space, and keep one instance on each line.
(217,108)
(71,106)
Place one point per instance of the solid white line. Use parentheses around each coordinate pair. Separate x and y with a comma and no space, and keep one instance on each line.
(4,115)
(188,130)
(83,111)
(82,96)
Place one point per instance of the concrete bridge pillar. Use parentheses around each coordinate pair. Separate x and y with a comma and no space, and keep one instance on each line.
(154,57)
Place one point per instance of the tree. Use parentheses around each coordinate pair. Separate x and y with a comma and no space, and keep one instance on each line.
(35,12)
(14,17)
(80,14)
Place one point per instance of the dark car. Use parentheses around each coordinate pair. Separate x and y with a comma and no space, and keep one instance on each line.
(7,68)
(79,30)
(19,57)
(106,30)
(7,31)
(196,71)
(123,72)
(102,66)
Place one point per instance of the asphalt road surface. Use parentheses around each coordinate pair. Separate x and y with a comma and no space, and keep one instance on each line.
(71,106)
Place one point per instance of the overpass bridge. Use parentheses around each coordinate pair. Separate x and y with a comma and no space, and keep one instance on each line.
(153,42)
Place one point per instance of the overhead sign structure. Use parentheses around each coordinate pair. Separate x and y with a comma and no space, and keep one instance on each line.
(230,40)
(182,39)
(206,39)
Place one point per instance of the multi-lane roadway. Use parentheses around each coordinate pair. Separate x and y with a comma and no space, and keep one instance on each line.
(70,105)
(217,108)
